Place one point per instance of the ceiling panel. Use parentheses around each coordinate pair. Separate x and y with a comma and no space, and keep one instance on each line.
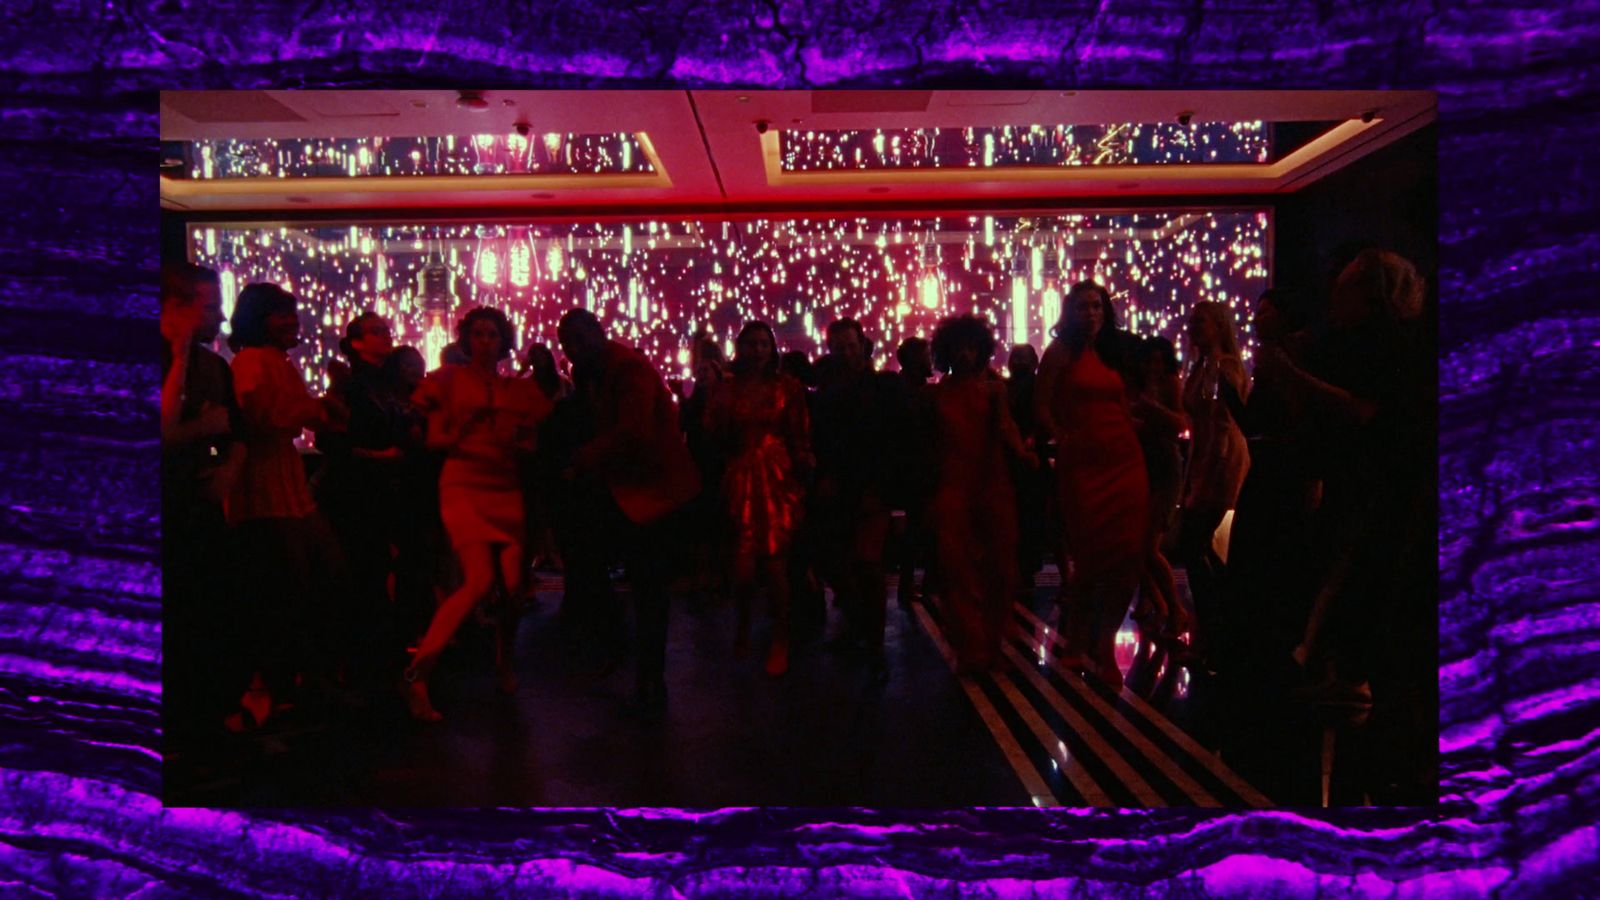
(718,147)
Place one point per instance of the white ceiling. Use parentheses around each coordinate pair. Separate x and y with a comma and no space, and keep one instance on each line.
(710,150)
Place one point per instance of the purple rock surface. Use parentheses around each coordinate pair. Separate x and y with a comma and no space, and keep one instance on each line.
(1519,373)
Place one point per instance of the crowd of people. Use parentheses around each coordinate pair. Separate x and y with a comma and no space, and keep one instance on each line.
(302,579)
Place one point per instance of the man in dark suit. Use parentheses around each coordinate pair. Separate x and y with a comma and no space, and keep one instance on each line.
(638,453)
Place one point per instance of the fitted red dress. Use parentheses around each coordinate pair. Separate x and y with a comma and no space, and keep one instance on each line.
(1100,472)
(764,425)
(480,495)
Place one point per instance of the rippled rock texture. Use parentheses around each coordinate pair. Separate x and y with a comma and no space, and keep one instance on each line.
(1520,501)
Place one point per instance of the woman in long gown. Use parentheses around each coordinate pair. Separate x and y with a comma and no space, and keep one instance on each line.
(973,509)
(1100,476)
(482,420)
(760,418)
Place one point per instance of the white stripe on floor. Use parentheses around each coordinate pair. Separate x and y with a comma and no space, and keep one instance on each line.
(1150,751)
(1107,754)
(1236,784)
(1032,781)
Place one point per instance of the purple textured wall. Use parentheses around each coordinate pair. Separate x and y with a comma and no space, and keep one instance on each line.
(79,523)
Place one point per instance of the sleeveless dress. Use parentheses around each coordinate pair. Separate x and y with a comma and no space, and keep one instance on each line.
(762,423)
(480,494)
(974,514)
(1100,472)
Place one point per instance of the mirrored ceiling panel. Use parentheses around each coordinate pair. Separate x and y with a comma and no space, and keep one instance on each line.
(1116,144)
(356,157)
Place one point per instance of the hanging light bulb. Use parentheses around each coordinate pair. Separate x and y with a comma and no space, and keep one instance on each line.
(932,290)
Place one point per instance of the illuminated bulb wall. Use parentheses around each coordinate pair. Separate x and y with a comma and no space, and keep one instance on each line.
(656,283)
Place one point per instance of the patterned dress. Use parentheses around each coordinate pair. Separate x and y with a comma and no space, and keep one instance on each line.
(764,424)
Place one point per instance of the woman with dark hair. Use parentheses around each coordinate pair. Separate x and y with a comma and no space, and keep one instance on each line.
(289,555)
(1104,496)
(760,419)
(540,365)
(481,420)
(973,508)
(1159,420)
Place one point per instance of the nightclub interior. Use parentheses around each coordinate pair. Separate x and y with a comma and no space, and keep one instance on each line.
(892,449)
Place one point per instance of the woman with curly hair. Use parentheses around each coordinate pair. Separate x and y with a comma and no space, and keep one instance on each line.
(973,509)
(290,557)
(759,417)
(481,420)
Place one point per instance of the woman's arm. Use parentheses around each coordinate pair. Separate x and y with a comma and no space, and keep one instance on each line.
(1010,435)
(1318,394)
(1044,391)
(1167,408)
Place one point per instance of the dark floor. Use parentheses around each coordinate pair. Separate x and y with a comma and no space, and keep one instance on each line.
(825,735)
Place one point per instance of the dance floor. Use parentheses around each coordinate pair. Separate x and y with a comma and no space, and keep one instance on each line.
(825,735)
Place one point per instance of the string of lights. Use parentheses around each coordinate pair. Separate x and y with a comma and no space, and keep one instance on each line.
(476,154)
(1037,145)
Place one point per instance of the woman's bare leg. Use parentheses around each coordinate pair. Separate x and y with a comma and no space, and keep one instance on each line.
(477,564)
(506,627)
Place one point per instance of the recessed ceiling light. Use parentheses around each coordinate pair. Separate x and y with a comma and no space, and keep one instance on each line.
(420,104)
(472,100)
(743,99)
(509,102)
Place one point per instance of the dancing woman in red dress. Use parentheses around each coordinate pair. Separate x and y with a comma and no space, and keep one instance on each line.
(482,420)
(760,418)
(1100,474)
(974,509)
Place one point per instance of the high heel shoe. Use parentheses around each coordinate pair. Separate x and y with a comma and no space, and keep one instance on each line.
(414,690)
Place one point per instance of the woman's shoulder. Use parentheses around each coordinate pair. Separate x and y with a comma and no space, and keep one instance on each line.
(1055,355)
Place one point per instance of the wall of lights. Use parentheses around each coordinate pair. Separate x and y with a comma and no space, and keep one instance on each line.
(658,282)
(1150,143)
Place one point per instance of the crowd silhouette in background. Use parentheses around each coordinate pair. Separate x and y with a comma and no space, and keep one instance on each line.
(435,495)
